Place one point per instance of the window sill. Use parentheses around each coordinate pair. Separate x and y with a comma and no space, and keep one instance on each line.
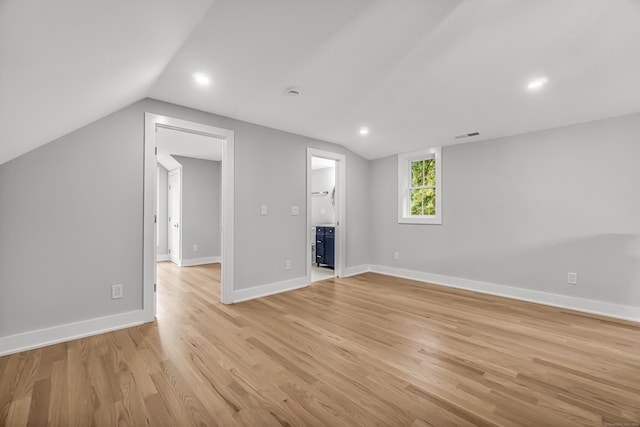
(420,220)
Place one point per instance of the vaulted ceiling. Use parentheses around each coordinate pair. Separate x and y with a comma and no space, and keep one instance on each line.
(416,73)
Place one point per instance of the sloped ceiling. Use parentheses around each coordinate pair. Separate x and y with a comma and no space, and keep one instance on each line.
(171,142)
(66,63)
(415,72)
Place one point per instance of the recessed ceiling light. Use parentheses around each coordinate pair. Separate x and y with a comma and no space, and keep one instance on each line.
(201,78)
(537,83)
(364,131)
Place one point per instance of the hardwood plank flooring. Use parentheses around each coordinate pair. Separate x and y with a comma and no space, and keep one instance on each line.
(362,351)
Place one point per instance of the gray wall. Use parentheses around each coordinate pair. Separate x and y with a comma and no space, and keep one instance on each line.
(201,188)
(263,243)
(71,226)
(323,180)
(71,216)
(163,207)
(525,210)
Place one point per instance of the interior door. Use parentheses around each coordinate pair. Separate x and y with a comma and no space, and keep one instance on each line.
(174,215)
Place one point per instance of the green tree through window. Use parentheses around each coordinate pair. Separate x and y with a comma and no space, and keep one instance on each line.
(423,187)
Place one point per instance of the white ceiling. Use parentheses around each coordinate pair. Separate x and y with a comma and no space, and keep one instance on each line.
(66,63)
(416,72)
(320,163)
(171,142)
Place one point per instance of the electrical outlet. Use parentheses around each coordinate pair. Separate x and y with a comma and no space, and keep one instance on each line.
(195,248)
(572,278)
(116,291)
(287,264)
(263,210)
(396,255)
(295,210)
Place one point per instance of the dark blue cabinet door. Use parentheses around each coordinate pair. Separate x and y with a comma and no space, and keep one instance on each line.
(325,249)
(329,250)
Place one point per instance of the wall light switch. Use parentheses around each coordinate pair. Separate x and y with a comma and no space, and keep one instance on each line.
(263,210)
(295,211)
(116,291)
(195,248)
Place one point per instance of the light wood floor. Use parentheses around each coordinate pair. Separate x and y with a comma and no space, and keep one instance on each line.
(364,351)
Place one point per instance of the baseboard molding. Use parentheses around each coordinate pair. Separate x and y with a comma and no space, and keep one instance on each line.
(199,261)
(355,270)
(70,331)
(555,300)
(163,257)
(269,289)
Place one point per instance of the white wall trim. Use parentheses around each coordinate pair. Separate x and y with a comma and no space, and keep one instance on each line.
(70,331)
(269,289)
(199,261)
(356,269)
(163,257)
(608,309)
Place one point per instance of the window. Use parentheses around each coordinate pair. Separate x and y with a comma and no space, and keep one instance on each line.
(420,187)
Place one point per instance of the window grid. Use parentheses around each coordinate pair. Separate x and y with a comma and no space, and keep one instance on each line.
(423,192)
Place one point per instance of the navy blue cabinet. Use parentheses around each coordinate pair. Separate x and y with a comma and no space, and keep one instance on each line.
(325,246)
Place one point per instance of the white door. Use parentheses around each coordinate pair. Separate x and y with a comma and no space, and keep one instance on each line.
(175,226)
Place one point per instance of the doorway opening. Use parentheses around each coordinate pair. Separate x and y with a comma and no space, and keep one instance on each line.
(189,197)
(177,152)
(325,214)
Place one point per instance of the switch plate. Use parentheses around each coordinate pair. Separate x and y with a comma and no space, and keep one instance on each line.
(572,278)
(195,248)
(396,255)
(263,210)
(287,265)
(295,211)
(116,291)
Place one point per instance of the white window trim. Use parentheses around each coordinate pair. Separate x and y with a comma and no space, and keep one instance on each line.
(404,181)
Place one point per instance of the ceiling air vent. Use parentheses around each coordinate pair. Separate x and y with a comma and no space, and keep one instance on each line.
(467,135)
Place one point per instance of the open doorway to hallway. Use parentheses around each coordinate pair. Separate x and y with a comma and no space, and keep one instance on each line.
(189,197)
(195,218)
(189,202)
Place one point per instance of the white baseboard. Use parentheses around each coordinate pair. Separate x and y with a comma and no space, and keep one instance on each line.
(555,300)
(70,331)
(199,261)
(355,270)
(163,257)
(269,289)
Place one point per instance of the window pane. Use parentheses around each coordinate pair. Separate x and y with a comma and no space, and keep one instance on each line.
(429,201)
(416,173)
(416,202)
(430,172)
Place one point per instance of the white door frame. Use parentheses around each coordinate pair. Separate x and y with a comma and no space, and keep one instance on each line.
(178,256)
(151,122)
(341,169)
